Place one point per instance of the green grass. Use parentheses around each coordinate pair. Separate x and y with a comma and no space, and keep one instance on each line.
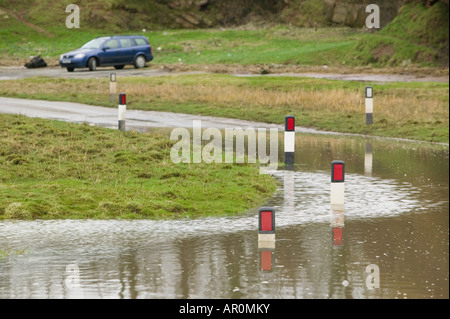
(277,45)
(416,110)
(55,170)
(418,35)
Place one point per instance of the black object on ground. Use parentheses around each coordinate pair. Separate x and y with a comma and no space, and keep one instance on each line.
(36,62)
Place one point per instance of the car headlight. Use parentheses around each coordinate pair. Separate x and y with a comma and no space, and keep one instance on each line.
(80,56)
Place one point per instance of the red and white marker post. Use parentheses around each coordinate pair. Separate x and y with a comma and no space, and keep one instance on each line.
(337,185)
(289,141)
(122,111)
(266,227)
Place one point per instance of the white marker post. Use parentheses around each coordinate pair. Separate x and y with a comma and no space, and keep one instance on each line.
(289,141)
(337,185)
(266,236)
(122,111)
(369,105)
(112,87)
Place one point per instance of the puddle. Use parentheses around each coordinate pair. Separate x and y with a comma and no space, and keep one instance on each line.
(395,217)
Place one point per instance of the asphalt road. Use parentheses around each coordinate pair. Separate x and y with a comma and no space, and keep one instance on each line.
(12,73)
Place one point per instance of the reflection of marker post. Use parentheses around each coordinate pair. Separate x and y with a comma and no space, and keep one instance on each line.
(266,236)
(289,140)
(368,159)
(369,105)
(337,185)
(265,259)
(338,236)
(289,191)
(337,227)
(122,111)
(112,87)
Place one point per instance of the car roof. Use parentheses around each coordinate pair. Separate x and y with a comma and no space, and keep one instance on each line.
(121,36)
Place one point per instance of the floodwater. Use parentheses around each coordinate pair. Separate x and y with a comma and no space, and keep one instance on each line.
(390,241)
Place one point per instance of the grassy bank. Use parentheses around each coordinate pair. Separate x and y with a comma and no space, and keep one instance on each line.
(224,32)
(274,45)
(406,110)
(278,46)
(55,170)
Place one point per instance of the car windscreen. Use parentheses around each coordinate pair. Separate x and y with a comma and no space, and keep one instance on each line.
(94,44)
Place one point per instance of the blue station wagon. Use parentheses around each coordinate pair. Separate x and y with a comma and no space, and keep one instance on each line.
(116,51)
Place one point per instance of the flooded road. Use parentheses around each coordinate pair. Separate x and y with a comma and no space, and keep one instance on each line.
(396,218)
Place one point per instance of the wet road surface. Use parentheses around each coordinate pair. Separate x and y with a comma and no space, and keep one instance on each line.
(108,117)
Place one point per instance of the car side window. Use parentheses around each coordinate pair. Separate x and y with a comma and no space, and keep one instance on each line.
(112,44)
(126,43)
(140,42)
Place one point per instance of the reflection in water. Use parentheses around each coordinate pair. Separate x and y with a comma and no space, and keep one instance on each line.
(337,226)
(266,258)
(368,159)
(395,218)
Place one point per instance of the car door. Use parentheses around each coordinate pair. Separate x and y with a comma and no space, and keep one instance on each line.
(143,47)
(126,51)
(110,52)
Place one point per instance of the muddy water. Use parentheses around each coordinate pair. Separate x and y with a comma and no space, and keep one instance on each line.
(396,219)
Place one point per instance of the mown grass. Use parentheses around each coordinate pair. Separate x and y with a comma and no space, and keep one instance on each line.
(55,170)
(405,110)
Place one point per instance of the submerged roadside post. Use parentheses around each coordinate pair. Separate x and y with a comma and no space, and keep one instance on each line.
(289,141)
(266,236)
(122,111)
(369,105)
(112,87)
(337,185)
(337,197)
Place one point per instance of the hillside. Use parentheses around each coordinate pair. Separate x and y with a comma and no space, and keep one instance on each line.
(414,31)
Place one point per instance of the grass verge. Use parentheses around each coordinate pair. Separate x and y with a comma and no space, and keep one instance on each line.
(56,170)
(404,110)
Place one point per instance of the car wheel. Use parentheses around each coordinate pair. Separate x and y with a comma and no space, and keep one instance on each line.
(92,64)
(119,67)
(70,69)
(139,63)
